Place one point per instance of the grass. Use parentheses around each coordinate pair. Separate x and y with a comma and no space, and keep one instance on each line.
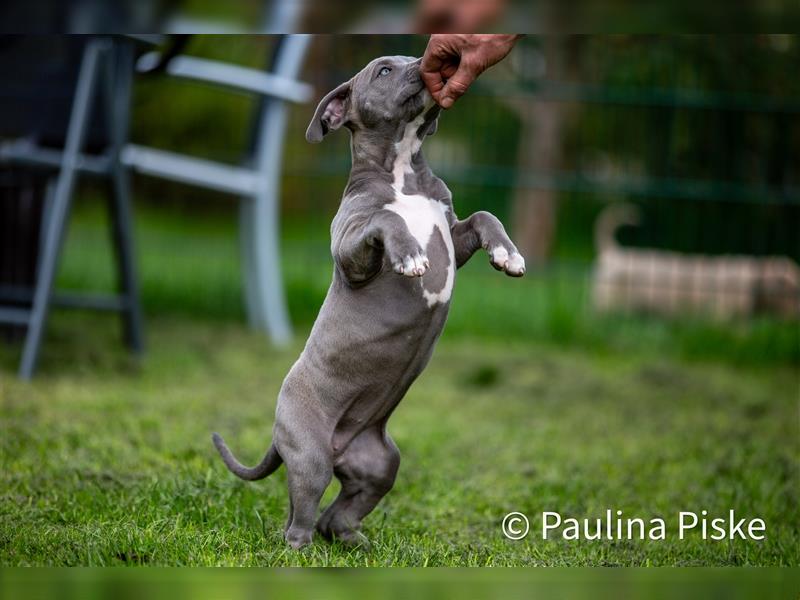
(531,403)
(195,271)
(108,461)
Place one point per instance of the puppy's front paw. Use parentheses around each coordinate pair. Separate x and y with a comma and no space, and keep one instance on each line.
(412,265)
(513,264)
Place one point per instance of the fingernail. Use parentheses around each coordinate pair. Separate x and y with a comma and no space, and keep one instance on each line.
(447,102)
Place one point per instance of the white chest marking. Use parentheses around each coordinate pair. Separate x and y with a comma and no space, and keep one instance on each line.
(420,213)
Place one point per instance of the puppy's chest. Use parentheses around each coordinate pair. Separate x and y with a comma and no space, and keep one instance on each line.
(427,222)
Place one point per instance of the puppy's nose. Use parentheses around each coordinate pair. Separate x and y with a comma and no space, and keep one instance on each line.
(413,70)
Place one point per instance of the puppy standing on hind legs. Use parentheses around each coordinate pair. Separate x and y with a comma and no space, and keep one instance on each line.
(396,244)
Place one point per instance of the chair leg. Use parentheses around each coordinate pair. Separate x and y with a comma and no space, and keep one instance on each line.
(252,296)
(47,213)
(121,217)
(76,134)
(260,235)
(118,94)
(266,299)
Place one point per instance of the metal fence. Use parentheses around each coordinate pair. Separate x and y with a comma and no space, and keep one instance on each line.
(701,134)
(713,172)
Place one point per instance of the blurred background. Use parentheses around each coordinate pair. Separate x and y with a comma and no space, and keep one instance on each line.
(395,16)
(701,133)
(648,360)
(562,584)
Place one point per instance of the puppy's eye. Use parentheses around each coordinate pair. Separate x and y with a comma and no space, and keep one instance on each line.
(384,71)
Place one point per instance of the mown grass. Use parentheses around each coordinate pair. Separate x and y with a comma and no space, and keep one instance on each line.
(531,403)
(108,461)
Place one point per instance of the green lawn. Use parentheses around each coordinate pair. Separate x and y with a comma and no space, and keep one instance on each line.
(109,462)
(531,403)
(189,265)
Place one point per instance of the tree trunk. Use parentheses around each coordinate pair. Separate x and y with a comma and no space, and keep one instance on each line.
(540,152)
(534,208)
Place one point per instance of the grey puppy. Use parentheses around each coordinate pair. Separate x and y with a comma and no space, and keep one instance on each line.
(396,244)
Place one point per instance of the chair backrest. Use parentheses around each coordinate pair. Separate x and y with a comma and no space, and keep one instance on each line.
(279,86)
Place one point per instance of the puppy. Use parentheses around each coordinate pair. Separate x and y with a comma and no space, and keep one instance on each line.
(396,244)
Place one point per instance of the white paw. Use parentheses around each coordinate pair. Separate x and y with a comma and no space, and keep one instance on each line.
(513,264)
(412,266)
(516,265)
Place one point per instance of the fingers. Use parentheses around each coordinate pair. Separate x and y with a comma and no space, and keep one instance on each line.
(453,61)
(431,70)
(433,80)
(458,84)
(445,81)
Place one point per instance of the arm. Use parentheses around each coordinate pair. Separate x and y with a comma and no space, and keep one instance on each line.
(484,230)
(360,243)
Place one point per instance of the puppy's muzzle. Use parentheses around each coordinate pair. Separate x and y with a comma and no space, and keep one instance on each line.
(414,83)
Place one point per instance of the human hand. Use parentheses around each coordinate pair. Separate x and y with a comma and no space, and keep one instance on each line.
(453,61)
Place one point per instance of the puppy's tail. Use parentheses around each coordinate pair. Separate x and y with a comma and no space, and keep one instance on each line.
(271,461)
(610,220)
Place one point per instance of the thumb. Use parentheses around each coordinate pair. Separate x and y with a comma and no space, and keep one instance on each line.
(457,84)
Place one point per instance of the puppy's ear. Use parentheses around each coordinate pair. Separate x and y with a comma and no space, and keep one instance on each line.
(330,114)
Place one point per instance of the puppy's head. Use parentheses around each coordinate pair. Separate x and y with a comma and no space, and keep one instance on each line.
(384,96)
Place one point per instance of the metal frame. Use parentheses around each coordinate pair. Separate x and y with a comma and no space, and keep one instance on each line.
(259,217)
(106,69)
(257,184)
(108,63)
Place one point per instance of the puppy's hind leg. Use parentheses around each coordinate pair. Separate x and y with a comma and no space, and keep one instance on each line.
(309,472)
(367,470)
(289,518)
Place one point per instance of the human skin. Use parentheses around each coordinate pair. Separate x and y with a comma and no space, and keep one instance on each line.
(453,61)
